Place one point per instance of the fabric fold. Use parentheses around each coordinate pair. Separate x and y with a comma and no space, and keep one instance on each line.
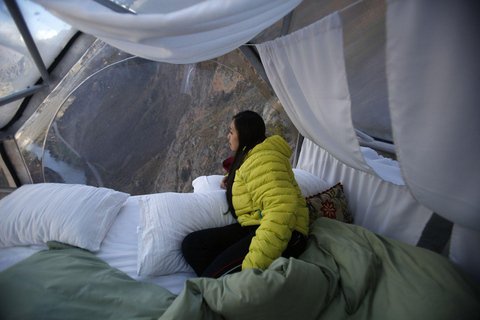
(174,31)
(307,71)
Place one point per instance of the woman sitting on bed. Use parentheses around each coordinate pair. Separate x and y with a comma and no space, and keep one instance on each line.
(265,199)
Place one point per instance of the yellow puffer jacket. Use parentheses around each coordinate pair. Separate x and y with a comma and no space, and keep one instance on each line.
(265,193)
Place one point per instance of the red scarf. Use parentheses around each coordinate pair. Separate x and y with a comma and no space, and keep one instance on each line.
(227,164)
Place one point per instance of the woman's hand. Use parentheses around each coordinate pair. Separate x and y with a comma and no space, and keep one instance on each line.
(223,183)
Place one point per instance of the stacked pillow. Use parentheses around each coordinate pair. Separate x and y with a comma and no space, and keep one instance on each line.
(167,218)
(331,204)
(81,216)
(77,215)
(309,184)
(321,201)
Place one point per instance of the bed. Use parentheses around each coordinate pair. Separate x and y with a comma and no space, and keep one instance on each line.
(118,249)
(118,256)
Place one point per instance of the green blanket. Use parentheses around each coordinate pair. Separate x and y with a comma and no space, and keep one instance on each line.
(71,283)
(346,272)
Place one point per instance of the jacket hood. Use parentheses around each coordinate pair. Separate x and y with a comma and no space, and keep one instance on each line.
(273,143)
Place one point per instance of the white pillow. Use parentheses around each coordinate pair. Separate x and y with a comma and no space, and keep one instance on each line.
(309,184)
(207,183)
(166,219)
(77,215)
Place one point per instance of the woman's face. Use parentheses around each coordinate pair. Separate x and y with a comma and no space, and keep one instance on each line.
(233,137)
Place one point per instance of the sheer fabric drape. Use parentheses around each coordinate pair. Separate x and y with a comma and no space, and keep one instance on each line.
(433,79)
(174,31)
(307,72)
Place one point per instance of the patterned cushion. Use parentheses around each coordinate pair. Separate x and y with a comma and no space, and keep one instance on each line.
(331,204)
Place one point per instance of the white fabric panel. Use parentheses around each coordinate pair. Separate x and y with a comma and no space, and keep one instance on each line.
(432,72)
(194,31)
(307,72)
(380,206)
(464,252)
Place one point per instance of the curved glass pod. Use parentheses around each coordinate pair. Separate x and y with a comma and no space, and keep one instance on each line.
(141,126)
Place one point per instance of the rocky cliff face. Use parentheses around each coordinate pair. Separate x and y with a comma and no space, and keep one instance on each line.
(144,127)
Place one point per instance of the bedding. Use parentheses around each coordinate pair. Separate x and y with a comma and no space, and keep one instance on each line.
(345,272)
(71,283)
(382,207)
(308,183)
(170,218)
(330,203)
(78,215)
(166,219)
(118,249)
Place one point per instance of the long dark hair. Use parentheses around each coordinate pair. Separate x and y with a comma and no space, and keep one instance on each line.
(251,131)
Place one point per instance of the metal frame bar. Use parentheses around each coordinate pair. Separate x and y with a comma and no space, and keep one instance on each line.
(8,174)
(8,168)
(286,23)
(298,149)
(114,6)
(27,37)
(21,94)
(7,190)
(256,63)
(23,176)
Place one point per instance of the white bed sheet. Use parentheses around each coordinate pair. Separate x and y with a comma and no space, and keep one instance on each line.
(118,249)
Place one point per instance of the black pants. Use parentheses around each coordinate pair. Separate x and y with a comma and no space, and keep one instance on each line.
(215,252)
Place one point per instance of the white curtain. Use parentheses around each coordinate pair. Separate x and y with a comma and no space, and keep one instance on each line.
(307,72)
(432,75)
(174,31)
(380,206)
(433,80)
